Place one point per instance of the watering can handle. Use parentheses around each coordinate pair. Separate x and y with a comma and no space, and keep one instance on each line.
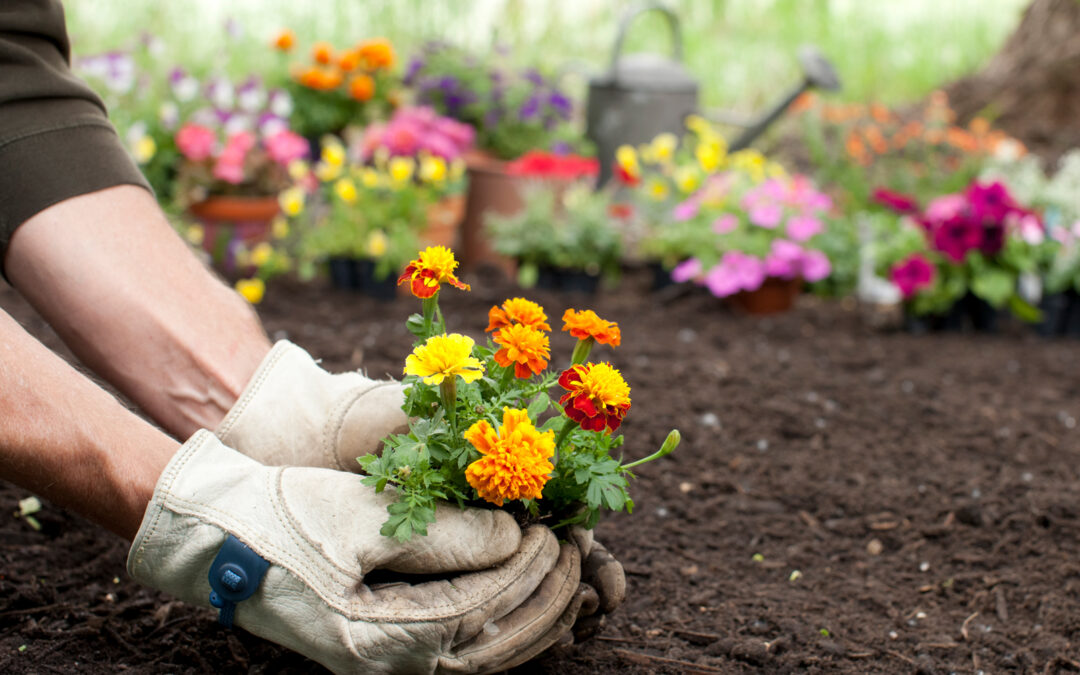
(628,18)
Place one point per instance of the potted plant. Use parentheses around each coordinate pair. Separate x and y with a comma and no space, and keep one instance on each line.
(418,132)
(334,88)
(959,261)
(512,110)
(564,239)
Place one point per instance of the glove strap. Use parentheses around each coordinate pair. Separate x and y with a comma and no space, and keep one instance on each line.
(235,575)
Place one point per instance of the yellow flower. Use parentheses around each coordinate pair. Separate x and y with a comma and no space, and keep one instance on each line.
(261,254)
(657,189)
(292,200)
(663,147)
(432,169)
(144,149)
(333,153)
(279,228)
(751,162)
(597,396)
(775,170)
(710,153)
(377,243)
(195,235)
(687,179)
(346,190)
(327,172)
(698,124)
(524,347)
(401,169)
(627,158)
(252,290)
(369,178)
(516,461)
(444,356)
(435,266)
(298,169)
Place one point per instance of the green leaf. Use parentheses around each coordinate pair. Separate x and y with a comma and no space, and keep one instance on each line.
(994,285)
(539,406)
(1024,310)
(415,325)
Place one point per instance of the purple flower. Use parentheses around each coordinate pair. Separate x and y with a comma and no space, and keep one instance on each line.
(533,75)
(956,236)
(529,109)
(415,66)
(912,274)
(561,104)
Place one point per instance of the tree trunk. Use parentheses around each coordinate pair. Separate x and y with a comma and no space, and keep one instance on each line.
(1031,88)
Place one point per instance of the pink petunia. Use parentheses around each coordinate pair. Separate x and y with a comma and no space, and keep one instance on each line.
(686,210)
(228,170)
(196,142)
(686,270)
(286,146)
(913,274)
(785,259)
(816,266)
(766,215)
(803,228)
(726,223)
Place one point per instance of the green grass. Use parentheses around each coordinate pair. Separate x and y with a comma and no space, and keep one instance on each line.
(741,50)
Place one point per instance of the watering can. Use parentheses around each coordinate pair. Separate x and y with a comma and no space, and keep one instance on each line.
(643,95)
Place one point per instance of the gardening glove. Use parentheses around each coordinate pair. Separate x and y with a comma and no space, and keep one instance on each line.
(288,553)
(602,572)
(294,413)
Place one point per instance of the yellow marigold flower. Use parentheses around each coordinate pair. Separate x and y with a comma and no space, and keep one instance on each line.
(346,190)
(710,154)
(144,149)
(663,146)
(527,348)
(261,254)
(252,290)
(433,169)
(586,324)
(377,244)
(279,228)
(369,178)
(195,234)
(444,356)
(657,189)
(626,157)
(333,153)
(516,461)
(298,169)
(687,179)
(401,169)
(597,396)
(435,266)
(517,310)
(292,200)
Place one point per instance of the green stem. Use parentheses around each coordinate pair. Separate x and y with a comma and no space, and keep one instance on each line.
(431,306)
(670,443)
(448,391)
(568,426)
(581,350)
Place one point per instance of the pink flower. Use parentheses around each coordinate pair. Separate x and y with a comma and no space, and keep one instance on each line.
(195,142)
(913,274)
(461,135)
(945,207)
(402,137)
(725,223)
(785,259)
(685,210)
(815,266)
(721,281)
(803,228)
(735,272)
(895,201)
(286,146)
(686,270)
(1031,230)
(228,170)
(766,215)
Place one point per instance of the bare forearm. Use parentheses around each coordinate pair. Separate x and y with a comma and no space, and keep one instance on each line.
(66,439)
(122,290)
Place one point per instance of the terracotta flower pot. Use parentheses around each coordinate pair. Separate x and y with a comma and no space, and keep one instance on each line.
(229,219)
(444,219)
(775,295)
(491,190)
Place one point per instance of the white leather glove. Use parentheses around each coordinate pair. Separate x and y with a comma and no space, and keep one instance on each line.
(319,531)
(294,413)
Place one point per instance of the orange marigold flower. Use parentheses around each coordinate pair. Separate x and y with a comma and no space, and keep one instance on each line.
(525,347)
(285,40)
(322,52)
(435,266)
(377,53)
(586,324)
(516,461)
(597,396)
(361,87)
(880,113)
(349,60)
(517,310)
(876,140)
(322,79)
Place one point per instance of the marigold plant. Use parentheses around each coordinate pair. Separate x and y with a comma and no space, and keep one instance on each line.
(487,427)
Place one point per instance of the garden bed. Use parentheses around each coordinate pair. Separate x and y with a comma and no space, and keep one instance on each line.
(926,489)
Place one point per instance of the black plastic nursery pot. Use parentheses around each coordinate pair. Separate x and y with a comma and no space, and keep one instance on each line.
(969,314)
(358,275)
(1061,315)
(567,280)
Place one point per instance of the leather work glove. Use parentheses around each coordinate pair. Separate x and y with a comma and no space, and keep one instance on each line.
(293,412)
(288,553)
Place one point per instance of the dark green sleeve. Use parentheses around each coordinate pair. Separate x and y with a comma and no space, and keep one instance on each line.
(55,139)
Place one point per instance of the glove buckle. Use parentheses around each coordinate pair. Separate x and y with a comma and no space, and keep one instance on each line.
(235,575)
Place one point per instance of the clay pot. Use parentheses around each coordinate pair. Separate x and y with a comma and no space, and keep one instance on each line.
(444,219)
(775,295)
(491,190)
(245,218)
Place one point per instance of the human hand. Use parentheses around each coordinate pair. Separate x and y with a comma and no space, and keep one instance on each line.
(491,597)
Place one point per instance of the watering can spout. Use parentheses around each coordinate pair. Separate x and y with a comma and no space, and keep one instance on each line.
(818,73)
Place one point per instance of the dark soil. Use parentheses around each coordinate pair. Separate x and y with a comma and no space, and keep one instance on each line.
(845,500)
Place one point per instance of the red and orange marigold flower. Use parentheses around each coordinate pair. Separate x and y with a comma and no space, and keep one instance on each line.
(516,461)
(517,311)
(525,347)
(586,324)
(434,267)
(597,396)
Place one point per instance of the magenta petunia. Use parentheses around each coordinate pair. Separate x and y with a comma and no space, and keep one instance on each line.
(913,274)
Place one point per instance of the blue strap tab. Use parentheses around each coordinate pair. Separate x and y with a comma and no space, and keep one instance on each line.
(235,575)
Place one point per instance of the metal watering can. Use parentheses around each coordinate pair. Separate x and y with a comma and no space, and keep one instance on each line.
(643,95)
